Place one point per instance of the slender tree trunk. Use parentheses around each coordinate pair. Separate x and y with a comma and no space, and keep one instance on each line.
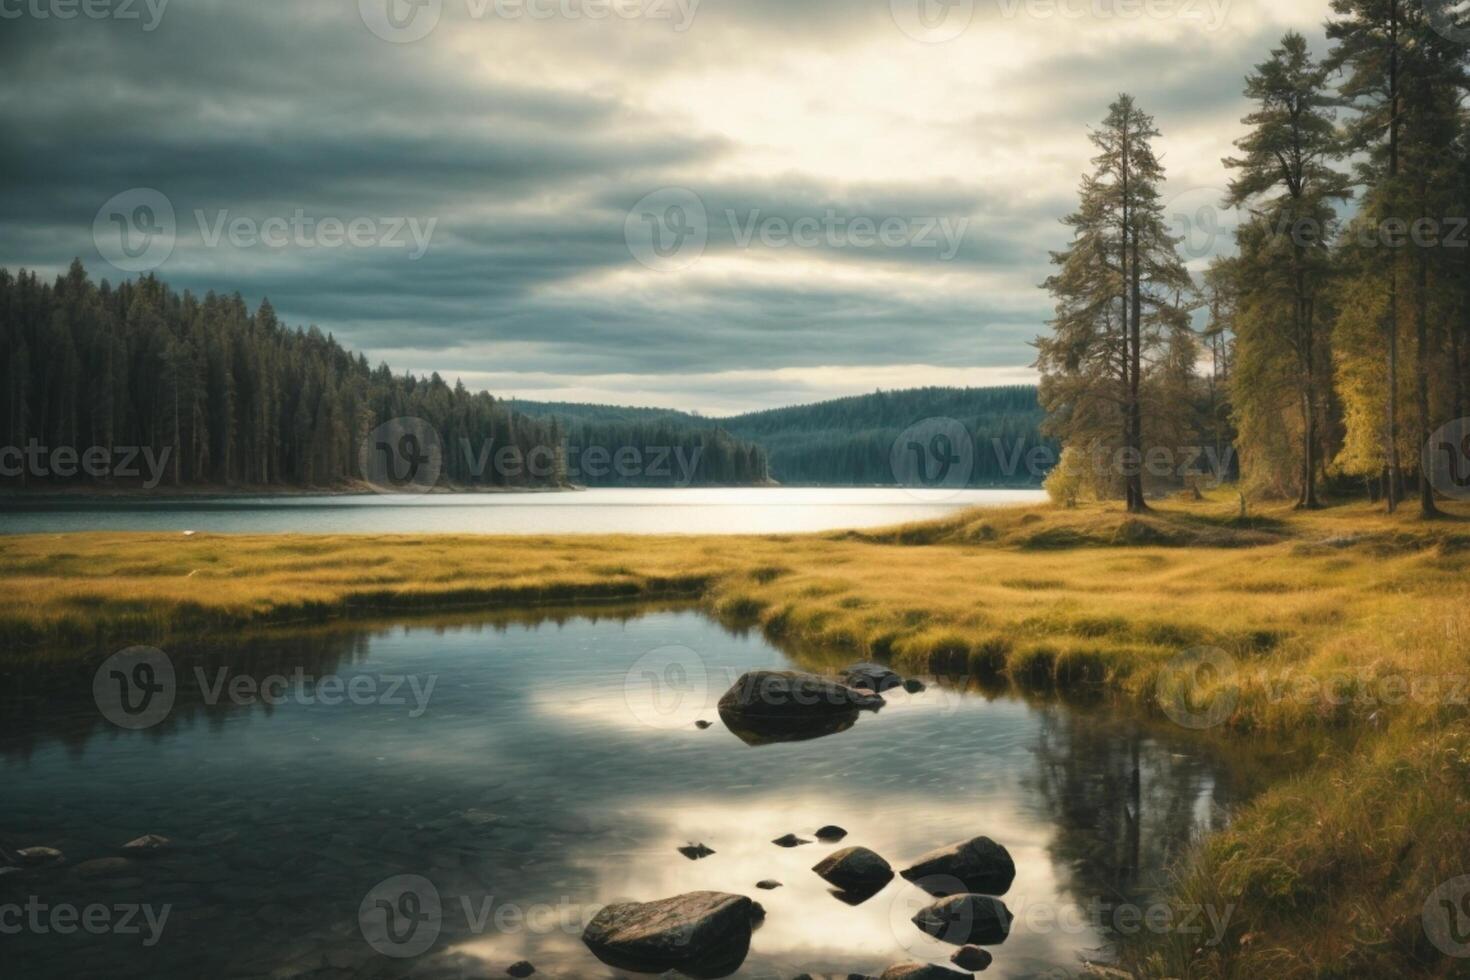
(1135,441)
(1427,506)
(1391,446)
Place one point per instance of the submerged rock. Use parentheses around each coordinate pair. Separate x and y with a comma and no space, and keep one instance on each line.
(855,869)
(966,919)
(971,958)
(831,833)
(770,884)
(701,934)
(789,840)
(701,724)
(34,857)
(521,969)
(695,852)
(914,686)
(147,845)
(921,971)
(872,677)
(979,865)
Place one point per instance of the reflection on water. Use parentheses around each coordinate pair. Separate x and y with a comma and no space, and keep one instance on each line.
(539,773)
(735,510)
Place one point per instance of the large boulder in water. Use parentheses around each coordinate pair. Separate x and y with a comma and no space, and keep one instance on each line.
(979,865)
(701,934)
(966,919)
(871,677)
(855,869)
(791,694)
(766,706)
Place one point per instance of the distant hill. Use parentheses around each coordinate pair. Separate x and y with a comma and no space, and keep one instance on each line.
(849,441)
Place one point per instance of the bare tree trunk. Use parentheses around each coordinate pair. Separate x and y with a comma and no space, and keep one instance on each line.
(1427,506)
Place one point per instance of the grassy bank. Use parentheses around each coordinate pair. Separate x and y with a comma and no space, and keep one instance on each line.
(1343,621)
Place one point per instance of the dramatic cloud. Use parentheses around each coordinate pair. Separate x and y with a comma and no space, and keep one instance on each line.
(708,204)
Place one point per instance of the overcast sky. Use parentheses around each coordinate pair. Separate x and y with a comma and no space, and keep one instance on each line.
(717,205)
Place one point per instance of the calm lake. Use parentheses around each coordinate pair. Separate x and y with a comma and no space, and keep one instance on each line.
(498,782)
(748,510)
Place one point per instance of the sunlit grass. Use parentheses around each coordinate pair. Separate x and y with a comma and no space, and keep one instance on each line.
(1324,615)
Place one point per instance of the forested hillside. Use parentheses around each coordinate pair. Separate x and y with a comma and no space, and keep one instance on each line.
(850,441)
(229,397)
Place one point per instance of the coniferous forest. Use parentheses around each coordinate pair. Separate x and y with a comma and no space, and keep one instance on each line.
(238,399)
(1333,347)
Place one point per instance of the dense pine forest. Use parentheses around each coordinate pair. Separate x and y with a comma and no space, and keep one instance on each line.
(849,441)
(1333,347)
(226,397)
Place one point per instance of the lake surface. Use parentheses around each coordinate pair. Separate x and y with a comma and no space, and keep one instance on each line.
(523,775)
(749,510)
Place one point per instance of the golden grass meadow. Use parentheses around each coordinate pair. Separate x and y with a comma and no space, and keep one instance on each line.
(1342,636)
